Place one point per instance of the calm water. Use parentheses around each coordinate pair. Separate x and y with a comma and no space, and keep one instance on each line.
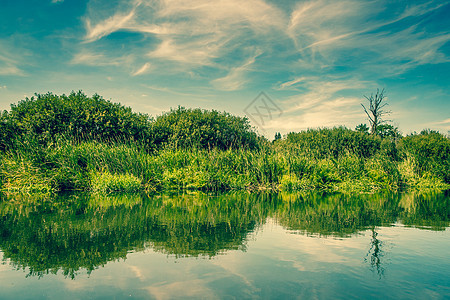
(233,246)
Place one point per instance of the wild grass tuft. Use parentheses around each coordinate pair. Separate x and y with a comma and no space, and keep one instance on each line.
(106,182)
(20,175)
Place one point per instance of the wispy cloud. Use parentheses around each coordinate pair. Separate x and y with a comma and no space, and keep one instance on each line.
(110,25)
(144,69)
(235,79)
(446,121)
(325,32)
(206,33)
(322,102)
(197,52)
(292,83)
(324,50)
(98,59)
(175,92)
(191,34)
(443,126)
(9,63)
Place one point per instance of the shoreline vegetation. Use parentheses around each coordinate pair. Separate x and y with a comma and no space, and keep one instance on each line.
(52,143)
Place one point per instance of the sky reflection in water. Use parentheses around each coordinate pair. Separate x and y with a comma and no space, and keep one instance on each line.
(235,245)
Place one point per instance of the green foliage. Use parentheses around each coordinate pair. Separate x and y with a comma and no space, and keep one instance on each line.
(429,153)
(45,117)
(8,131)
(362,128)
(332,143)
(18,174)
(67,166)
(187,128)
(383,130)
(388,131)
(277,136)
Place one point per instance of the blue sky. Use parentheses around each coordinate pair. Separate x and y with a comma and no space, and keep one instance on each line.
(314,59)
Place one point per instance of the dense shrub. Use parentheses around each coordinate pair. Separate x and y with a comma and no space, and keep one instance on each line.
(430,153)
(45,117)
(205,129)
(335,142)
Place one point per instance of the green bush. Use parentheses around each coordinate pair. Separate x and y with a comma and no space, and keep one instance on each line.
(187,128)
(430,153)
(8,131)
(45,117)
(332,143)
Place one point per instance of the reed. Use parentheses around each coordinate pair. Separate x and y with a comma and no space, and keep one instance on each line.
(126,165)
(97,166)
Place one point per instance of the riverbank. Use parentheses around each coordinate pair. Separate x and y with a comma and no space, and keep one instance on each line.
(101,167)
(56,143)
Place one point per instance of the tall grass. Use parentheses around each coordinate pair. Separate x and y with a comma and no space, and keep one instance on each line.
(127,166)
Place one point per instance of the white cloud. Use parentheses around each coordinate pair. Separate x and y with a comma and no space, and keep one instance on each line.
(324,21)
(236,78)
(320,91)
(8,69)
(420,9)
(446,121)
(326,32)
(187,35)
(292,83)
(198,52)
(442,126)
(208,41)
(167,90)
(9,64)
(320,104)
(57,1)
(97,59)
(144,69)
(256,13)
(108,26)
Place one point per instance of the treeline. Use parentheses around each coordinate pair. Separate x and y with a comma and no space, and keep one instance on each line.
(55,143)
(44,119)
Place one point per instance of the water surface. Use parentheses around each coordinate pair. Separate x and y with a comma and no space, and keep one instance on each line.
(237,245)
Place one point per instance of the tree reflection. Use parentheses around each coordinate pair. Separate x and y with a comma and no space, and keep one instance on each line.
(375,254)
(77,232)
(337,214)
(87,231)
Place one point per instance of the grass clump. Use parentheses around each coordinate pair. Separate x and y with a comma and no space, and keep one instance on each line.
(106,182)
(20,175)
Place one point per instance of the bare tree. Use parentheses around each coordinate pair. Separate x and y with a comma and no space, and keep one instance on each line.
(375,112)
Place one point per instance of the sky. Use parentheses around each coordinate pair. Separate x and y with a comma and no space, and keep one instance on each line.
(286,65)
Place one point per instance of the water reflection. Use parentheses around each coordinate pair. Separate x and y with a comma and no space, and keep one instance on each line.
(77,232)
(375,254)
